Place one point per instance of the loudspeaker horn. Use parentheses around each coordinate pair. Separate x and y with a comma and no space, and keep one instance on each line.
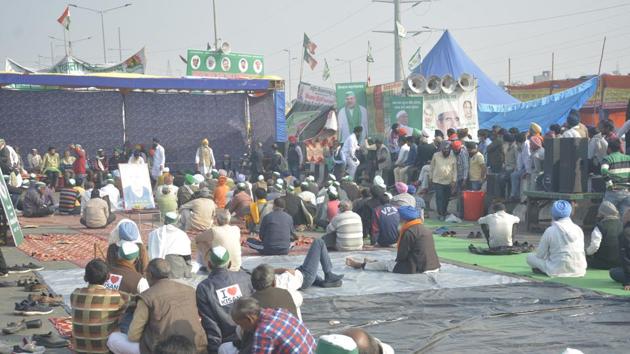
(433,85)
(466,82)
(416,83)
(226,48)
(448,84)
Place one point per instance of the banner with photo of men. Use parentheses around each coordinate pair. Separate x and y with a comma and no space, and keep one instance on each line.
(351,109)
(457,110)
(404,110)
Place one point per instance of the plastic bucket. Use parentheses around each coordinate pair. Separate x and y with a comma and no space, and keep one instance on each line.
(473,205)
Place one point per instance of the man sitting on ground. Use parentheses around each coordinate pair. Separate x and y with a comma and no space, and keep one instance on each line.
(274,330)
(112,193)
(166,200)
(560,252)
(221,234)
(603,250)
(403,198)
(168,307)
(276,232)
(175,344)
(240,201)
(33,205)
(216,296)
(385,221)
(499,227)
(621,274)
(270,296)
(130,281)
(69,199)
(416,249)
(198,214)
(92,323)
(352,341)
(96,214)
(345,231)
(173,245)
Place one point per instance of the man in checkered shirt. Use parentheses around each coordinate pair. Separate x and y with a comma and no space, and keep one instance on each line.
(273,330)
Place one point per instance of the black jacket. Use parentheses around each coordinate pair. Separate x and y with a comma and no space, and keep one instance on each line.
(624,252)
(416,253)
(215,312)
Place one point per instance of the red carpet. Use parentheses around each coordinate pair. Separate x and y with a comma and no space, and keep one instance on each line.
(63,325)
(78,248)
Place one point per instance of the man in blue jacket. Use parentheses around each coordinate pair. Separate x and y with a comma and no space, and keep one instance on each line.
(217,294)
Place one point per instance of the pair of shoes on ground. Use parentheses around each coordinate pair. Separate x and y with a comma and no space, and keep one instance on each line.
(31,308)
(449,234)
(24,268)
(14,327)
(331,280)
(473,235)
(32,285)
(46,299)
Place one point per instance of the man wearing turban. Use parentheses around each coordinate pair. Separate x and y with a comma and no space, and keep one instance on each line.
(204,159)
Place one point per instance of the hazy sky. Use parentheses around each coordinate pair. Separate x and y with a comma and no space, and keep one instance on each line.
(341,29)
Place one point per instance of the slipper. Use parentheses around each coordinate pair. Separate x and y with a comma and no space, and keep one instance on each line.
(441,229)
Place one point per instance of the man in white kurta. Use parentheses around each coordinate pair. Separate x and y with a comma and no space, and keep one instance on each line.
(170,243)
(204,158)
(159,159)
(350,147)
(560,252)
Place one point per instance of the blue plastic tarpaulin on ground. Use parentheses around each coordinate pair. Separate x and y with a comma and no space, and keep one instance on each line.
(447,57)
(545,111)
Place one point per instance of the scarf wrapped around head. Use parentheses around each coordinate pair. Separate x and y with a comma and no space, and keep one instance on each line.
(561,209)
(608,211)
(408,213)
(535,128)
(401,187)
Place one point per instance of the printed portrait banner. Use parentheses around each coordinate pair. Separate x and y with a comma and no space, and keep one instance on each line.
(315,95)
(406,111)
(136,186)
(351,108)
(9,212)
(218,64)
(456,110)
(376,106)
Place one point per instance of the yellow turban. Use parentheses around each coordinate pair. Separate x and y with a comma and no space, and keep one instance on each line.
(204,142)
(535,128)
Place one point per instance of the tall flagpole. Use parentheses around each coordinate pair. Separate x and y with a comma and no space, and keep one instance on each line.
(368,64)
(302,64)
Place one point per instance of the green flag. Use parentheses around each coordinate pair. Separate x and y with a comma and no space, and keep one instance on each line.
(369,58)
(414,61)
(326,73)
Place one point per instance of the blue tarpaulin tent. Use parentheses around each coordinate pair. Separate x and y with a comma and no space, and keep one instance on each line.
(495,106)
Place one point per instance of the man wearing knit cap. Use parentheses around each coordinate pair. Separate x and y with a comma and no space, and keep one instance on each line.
(111,192)
(185,192)
(416,249)
(204,158)
(560,252)
(123,275)
(216,296)
(173,245)
(127,230)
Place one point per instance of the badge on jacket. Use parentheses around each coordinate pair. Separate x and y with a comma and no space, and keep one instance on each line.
(113,282)
(229,295)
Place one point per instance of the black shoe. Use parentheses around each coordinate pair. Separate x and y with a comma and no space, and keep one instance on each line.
(330,284)
(26,308)
(471,235)
(33,267)
(18,269)
(332,277)
(51,340)
(478,235)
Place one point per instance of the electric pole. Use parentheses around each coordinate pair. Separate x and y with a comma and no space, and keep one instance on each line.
(398,65)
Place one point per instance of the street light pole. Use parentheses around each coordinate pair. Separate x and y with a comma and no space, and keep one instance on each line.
(119,46)
(349,65)
(289,54)
(102,13)
(214,21)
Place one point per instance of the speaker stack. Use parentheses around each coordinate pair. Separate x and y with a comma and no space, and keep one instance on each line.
(566,165)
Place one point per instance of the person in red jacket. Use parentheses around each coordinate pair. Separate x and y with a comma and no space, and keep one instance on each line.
(80,162)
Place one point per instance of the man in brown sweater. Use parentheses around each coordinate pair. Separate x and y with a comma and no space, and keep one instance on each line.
(416,249)
(169,307)
(198,214)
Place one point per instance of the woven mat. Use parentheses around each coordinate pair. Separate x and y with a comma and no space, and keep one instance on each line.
(63,325)
(77,249)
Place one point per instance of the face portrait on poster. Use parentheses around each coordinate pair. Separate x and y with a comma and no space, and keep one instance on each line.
(351,107)
(456,111)
(404,111)
(136,186)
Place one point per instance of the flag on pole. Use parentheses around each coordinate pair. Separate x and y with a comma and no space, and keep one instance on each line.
(326,73)
(64,19)
(400,30)
(415,60)
(309,51)
(369,58)
(309,45)
(309,59)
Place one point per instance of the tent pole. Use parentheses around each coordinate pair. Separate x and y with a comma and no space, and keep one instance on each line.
(599,71)
(552,68)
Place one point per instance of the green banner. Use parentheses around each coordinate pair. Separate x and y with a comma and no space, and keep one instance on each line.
(9,212)
(351,107)
(375,106)
(406,111)
(218,64)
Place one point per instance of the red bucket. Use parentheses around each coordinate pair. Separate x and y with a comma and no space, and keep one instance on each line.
(473,205)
